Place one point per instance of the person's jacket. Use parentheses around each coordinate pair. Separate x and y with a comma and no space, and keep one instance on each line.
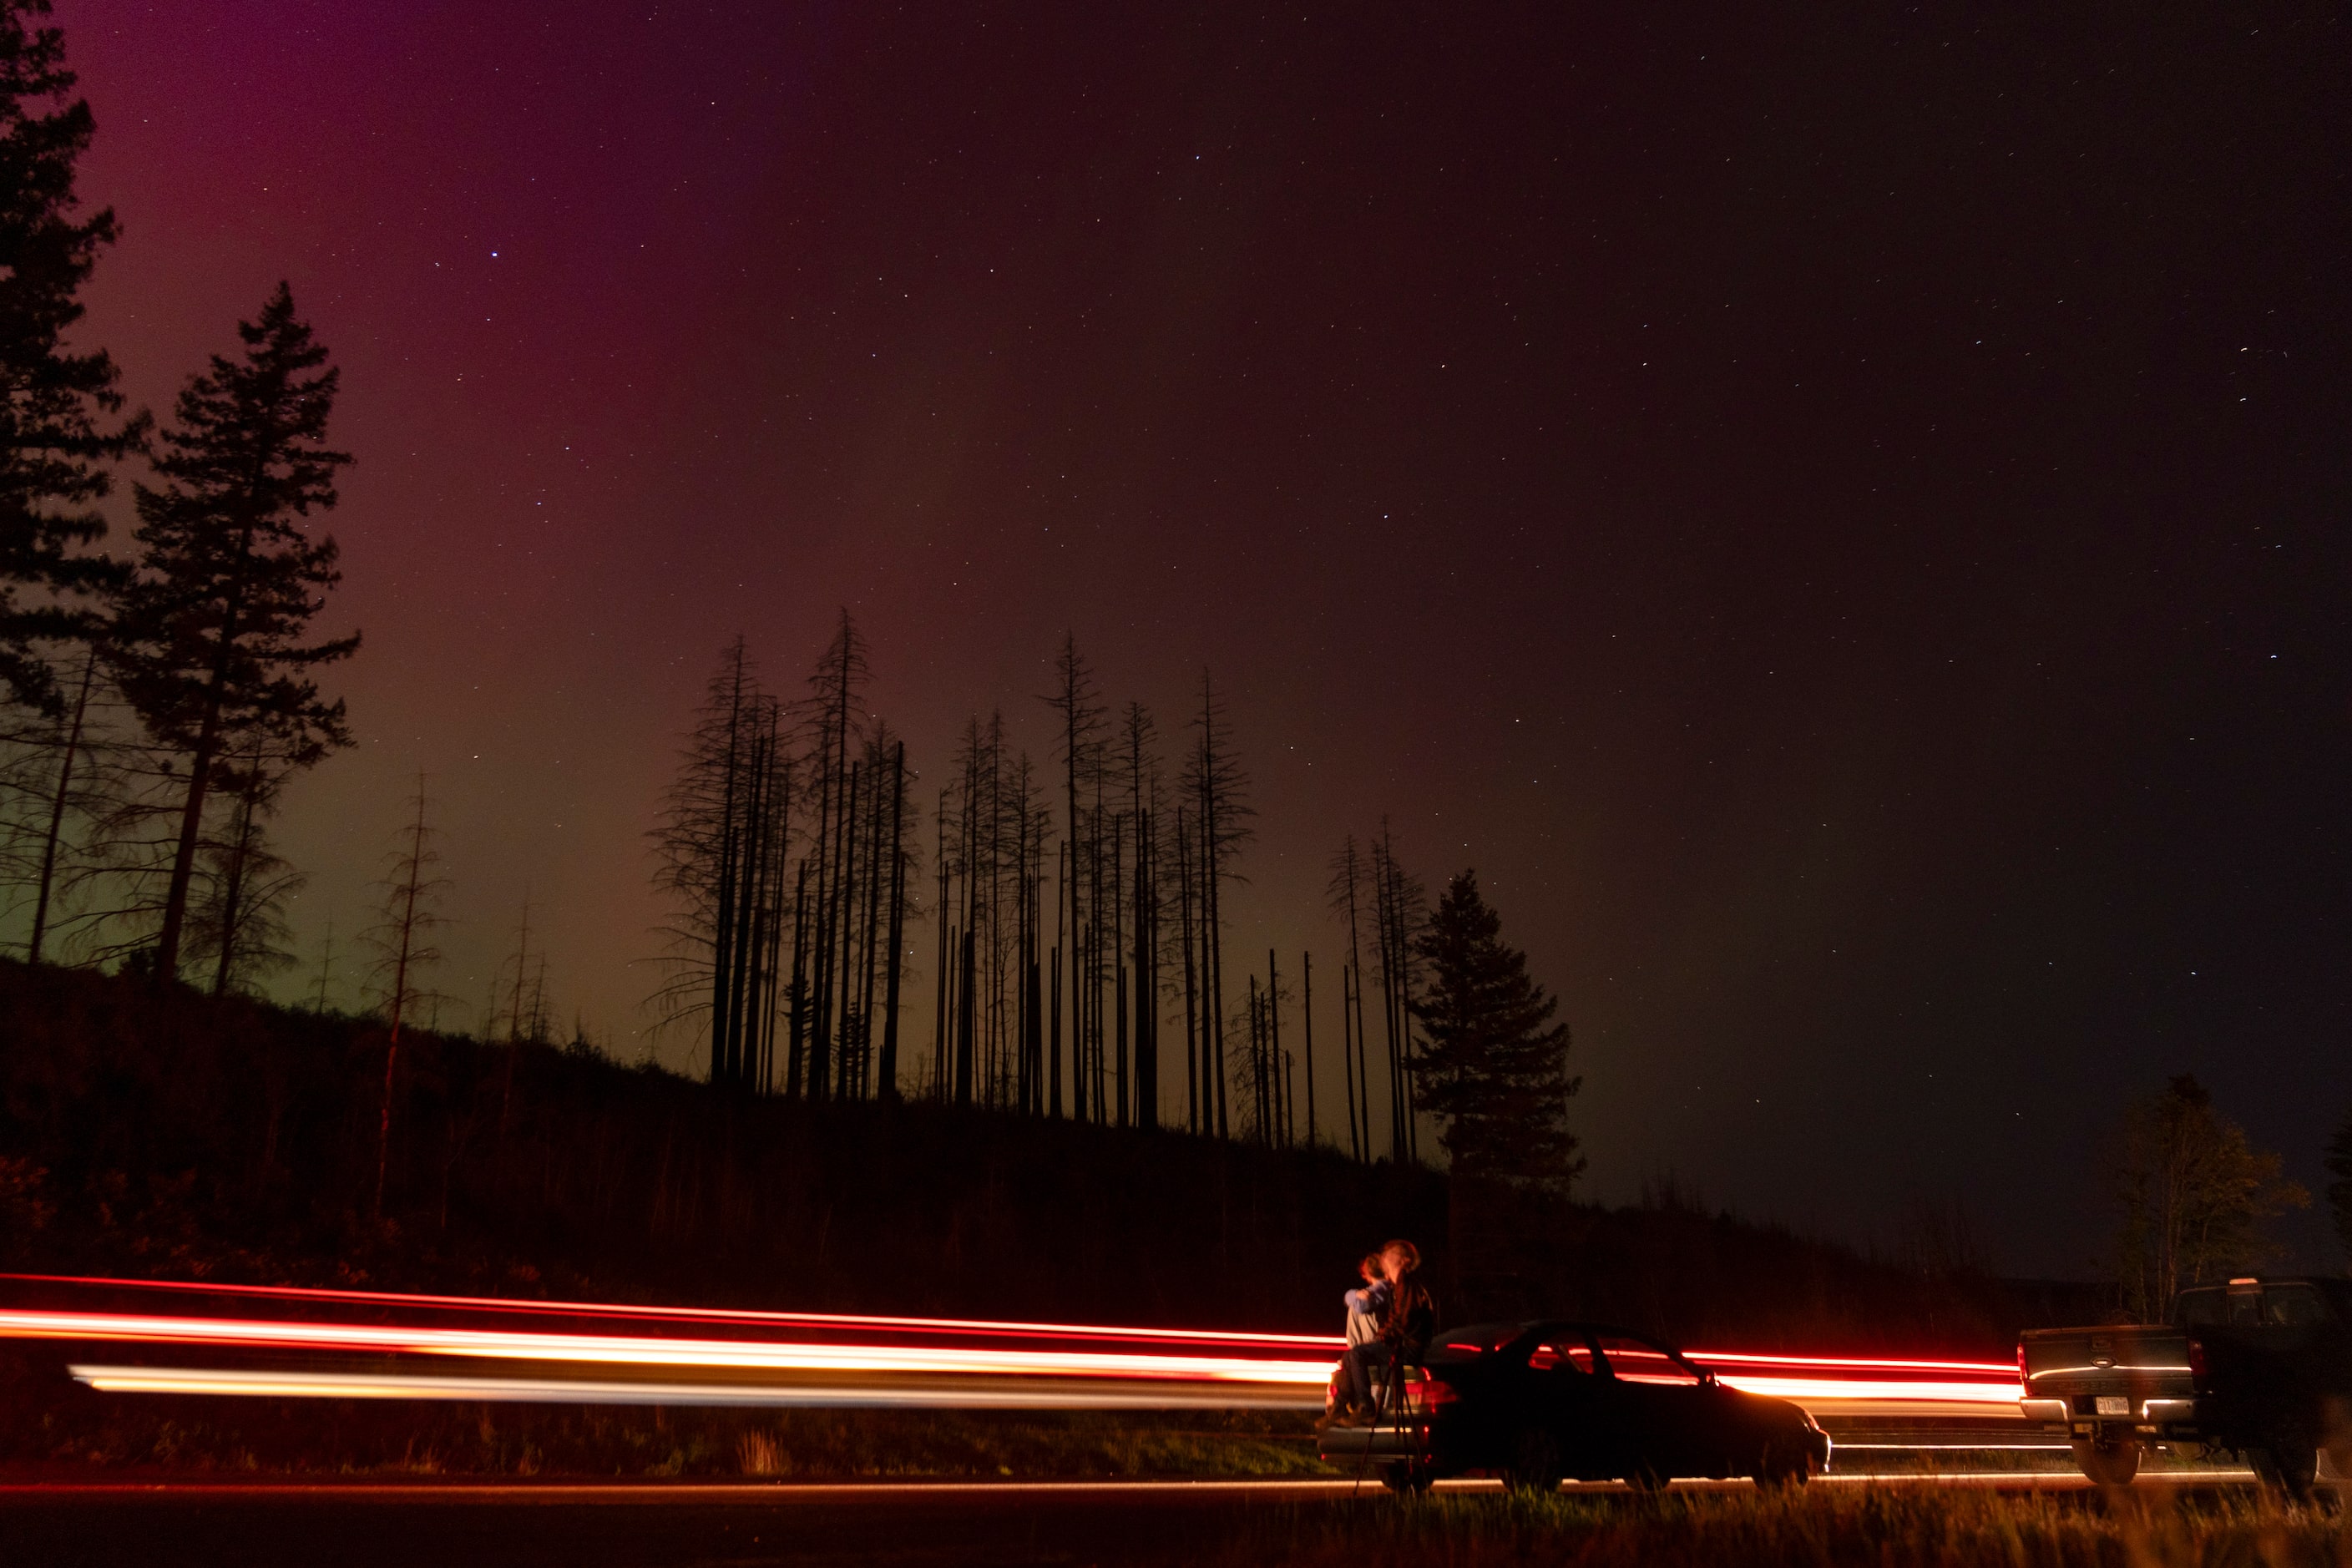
(1408,1318)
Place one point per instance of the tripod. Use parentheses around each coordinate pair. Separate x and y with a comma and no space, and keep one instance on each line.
(1390,1400)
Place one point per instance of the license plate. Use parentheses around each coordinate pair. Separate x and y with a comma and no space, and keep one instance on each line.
(2114,1405)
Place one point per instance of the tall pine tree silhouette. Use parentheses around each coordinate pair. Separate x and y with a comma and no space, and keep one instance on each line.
(54,452)
(1493,1067)
(208,643)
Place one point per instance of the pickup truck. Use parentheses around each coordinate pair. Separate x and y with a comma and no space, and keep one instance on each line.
(2263,1367)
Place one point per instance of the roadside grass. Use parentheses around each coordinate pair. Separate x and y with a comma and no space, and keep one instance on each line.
(363,1438)
(1819,1527)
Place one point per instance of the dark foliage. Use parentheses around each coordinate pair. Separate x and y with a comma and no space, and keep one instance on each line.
(208,642)
(197,1136)
(1492,1065)
(54,455)
(171,1135)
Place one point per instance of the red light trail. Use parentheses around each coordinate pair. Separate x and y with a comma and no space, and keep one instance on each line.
(653,1354)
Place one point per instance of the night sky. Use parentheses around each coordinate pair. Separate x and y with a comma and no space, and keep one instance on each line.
(1840,518)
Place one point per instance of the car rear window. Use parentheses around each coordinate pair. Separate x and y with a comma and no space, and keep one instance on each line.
(1457,1344)
(2199,1309)
(1633,1361)
(2277,1306)
(1561,1356)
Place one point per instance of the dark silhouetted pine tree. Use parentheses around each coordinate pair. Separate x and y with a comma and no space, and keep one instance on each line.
(1492,1065)
(237,918)
(208,640)
(55,455)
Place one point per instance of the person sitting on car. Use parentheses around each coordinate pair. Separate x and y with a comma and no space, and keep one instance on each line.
(1407,1318)
(1365,1302)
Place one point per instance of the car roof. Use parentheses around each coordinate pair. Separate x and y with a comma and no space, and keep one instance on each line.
(1503,1331)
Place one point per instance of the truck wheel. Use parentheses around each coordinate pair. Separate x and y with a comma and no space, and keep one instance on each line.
(2339,1459)
(1535,1464)
(2336,1437)
(2287,1462)
(2109,1463)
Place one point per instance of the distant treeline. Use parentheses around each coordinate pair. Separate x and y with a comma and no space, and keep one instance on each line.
(171,1135)
(1077,904)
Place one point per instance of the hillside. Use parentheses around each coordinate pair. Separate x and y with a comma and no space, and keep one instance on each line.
(168,1135)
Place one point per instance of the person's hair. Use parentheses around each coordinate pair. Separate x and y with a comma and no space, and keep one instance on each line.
(1411,1254)
(1370,1267)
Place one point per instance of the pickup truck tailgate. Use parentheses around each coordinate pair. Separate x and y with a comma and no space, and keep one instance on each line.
(2135,1374)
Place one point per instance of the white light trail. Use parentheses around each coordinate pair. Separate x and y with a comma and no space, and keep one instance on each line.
(1021,1394)
(1095,1366)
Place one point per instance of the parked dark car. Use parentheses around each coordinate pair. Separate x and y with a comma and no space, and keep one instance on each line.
(2263,1367)
(1538,1402)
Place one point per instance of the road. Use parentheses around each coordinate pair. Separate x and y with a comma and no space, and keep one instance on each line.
(514,1526)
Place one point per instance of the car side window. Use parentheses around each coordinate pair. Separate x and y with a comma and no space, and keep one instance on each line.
(2293,1306)
(1637,1361)
(1563,1354)
(2200,1308)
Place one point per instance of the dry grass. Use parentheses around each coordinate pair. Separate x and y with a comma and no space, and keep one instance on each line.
(80,1432)
(1822,1527)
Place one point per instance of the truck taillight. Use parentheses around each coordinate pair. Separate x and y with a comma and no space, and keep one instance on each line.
(2197,1360)
(2024,1377)
(1429,1393)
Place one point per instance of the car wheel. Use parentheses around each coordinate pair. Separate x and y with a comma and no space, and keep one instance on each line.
(1407,1479)
(1535,1464)
(1786,1462)
(2109,1463)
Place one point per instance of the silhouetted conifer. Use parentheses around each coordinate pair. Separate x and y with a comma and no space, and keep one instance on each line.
(208,640)
(54,453)
(70,735)
(237,920)
(1492,1065)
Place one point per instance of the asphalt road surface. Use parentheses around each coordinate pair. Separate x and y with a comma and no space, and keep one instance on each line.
(456,1526)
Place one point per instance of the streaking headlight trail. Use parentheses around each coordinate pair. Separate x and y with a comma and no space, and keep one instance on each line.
(349,1344)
